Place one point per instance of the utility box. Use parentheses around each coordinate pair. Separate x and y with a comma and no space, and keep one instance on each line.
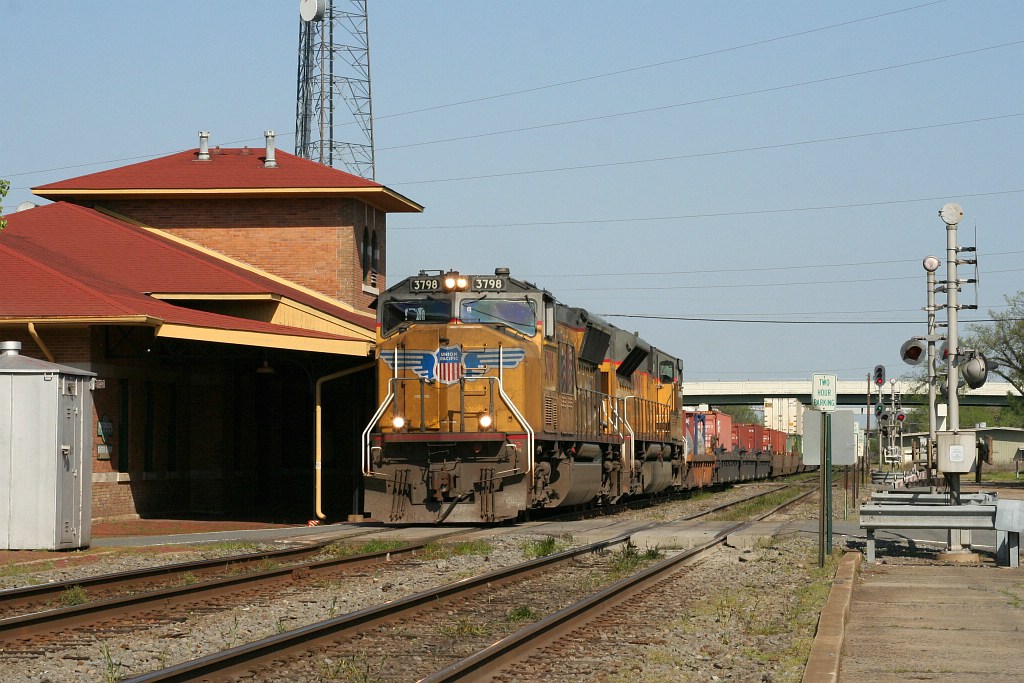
(957,451)
(45,453)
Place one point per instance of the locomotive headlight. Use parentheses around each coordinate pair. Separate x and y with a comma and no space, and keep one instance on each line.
(455,282)
(485,421)
(398,422)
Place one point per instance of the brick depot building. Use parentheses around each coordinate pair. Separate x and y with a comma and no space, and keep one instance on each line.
(216,294)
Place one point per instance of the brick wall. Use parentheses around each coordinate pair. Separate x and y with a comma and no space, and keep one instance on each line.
(316,243)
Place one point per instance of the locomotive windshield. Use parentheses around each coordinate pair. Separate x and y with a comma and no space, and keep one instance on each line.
(519,314)
(426,310)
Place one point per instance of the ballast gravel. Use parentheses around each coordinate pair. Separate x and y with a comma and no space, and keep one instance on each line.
(740,615)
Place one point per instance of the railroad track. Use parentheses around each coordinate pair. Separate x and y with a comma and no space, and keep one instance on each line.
(559,584)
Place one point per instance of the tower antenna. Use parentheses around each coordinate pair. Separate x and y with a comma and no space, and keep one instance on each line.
(334,76)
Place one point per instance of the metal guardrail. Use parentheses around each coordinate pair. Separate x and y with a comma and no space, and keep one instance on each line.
(912,510)
(908,497)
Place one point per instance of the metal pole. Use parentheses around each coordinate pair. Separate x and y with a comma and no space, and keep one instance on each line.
(827,422)
(951,214)
(867,441)
(932,419)
(822,483)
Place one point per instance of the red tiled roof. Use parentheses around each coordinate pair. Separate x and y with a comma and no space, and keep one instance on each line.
(64,260)
(228,171)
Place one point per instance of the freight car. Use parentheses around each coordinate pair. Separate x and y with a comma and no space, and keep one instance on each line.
(496,399)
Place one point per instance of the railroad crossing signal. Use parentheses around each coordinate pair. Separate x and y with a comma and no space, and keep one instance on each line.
(879,375)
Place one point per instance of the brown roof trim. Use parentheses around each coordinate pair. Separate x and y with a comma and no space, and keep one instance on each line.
(381,197)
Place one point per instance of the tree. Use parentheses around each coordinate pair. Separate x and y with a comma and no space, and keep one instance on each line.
(1002,341)
(741,414)
(5,185)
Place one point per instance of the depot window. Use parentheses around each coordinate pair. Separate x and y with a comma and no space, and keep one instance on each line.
(520,315)
(402,311)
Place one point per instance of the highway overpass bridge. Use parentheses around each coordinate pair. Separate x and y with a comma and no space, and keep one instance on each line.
(849,392)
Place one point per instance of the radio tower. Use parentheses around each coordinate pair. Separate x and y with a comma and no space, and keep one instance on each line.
(334,86)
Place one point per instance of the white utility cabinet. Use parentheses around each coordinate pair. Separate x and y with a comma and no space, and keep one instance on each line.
(45,453)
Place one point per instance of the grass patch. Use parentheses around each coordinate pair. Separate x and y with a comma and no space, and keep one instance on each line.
(628,559)
(752,508)
(542,547)
(232,547)
(74,595)
(373,546)
(464,628)
(354,669)
(520,613)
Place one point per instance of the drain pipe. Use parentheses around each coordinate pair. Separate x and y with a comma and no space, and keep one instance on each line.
(39,342)
(319,430)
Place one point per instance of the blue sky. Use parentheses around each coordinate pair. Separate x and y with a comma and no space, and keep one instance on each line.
(692,162)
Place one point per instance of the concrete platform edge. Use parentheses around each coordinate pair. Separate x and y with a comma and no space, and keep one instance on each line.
(827,650)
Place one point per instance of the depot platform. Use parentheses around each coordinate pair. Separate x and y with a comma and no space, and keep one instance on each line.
(913,617)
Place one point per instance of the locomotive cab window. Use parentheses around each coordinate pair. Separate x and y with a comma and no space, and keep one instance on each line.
(398,311)
(520,314)
(666,371)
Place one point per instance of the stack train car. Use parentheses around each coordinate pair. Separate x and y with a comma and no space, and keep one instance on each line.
(495,399)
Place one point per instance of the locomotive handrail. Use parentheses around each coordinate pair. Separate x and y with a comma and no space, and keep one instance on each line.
(630,454)
(373,421)
(515,410)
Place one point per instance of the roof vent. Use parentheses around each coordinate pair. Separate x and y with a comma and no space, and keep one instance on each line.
(10,348)
(269,161)
(501,271)
(204,145)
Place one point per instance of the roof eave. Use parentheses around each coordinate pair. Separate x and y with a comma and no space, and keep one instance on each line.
(381,197)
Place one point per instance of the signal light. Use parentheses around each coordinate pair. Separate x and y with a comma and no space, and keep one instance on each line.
(913,351)
(900,416)
(879,375)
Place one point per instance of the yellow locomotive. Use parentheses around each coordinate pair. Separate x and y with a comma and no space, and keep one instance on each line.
(495,399)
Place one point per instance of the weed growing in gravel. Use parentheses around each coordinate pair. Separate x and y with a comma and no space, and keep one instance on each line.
(111,667)
(231,636)
(463,628)
(75,595)
(188,578)
(10,569)
(355,669)
(542,547)
(520,613)
(236,547)
(755,507)
(627,560)
(376,546)
(1014,599)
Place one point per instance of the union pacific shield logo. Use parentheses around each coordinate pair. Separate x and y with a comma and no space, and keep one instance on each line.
(449,364)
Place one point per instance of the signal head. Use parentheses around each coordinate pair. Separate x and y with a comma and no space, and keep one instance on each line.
(879,375)
(913,351)
(975,371)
